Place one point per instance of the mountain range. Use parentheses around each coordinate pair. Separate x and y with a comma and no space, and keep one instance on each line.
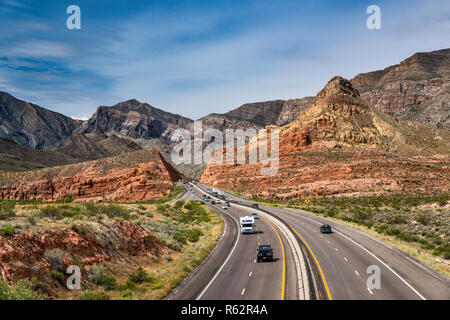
(416,90)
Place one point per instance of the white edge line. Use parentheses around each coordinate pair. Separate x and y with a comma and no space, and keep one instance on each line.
(224,263)
(389,268)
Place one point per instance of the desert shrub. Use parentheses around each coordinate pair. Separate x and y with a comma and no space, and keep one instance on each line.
(31,220)
(91,295)
(194,235)
(55,257)
(179,204)
(7,231)
(7,209)
(101,276)
(156,286)
(60,212)
(127,294)
(443,250)
(20,290)
(58,276)
(140,276)
(423,219)
(129,285)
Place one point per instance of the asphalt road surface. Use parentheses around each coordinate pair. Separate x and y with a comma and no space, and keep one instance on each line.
(346,254)
(231,271)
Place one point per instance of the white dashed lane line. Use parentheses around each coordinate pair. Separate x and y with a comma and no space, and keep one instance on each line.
(357,273)
(243,291)
(250,274)
(345,259)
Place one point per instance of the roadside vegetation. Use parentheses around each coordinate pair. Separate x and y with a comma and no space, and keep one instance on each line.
(188,229)
(418,224)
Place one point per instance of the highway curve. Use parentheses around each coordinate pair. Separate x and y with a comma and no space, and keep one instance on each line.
(230,272)
(345,255)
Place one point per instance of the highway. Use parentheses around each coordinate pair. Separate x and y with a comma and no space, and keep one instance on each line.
(345,255)
(231,272)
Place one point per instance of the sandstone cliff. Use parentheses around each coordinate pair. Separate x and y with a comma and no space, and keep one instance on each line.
(140,175)
(417,89)
(340,145)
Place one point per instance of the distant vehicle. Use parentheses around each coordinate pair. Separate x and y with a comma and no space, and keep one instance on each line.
(264,252)
(218,202)
(255,216)
(247,224)
(224,207)
(325,228)
(255,205)
(227,203)
(213,202)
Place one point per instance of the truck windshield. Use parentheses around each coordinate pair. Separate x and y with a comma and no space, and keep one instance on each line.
(247,225)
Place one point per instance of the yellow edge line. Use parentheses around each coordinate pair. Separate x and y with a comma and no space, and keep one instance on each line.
(284,261)
(317,263)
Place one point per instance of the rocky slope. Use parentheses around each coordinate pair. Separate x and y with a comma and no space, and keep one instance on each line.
(136,120)
(96,145)
(135,176)
(341,145)
(417,89)
(36,254)
(30,125)
(15,157)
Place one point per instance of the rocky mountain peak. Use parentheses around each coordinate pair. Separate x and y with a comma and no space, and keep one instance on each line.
(338,86)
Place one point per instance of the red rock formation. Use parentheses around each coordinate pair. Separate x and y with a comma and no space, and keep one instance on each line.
(131,180)
(341,146)
(23,255)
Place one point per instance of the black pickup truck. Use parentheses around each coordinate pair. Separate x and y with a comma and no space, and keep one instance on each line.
(264,252)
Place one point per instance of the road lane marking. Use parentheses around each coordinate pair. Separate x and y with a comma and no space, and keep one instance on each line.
(243,291)
(356,271)
(250,274)
(226,260)
(254,261)
(317,263)
(370,290)
(345,259)
(284,261)
(381,261)
(336,249)
(373,255)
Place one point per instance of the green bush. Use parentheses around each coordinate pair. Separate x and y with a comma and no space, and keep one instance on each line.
(91,295)
(58,276)
(7,231)
(20,290)
(7,209)
(101,276)
(129,285)
(140,276)
(194,235)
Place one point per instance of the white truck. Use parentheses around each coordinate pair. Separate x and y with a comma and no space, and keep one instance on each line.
(247,224)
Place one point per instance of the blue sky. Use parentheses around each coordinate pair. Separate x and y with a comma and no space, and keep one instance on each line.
(197,57)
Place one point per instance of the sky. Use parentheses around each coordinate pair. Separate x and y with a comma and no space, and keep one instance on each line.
(197,57)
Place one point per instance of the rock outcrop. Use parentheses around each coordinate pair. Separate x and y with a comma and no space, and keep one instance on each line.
(340,145)
(30,254)
(417,89)
(140,175)
(30,125)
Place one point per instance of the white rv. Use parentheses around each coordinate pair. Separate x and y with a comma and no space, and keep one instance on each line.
(247,224)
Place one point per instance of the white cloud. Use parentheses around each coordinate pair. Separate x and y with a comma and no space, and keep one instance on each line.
(40,49)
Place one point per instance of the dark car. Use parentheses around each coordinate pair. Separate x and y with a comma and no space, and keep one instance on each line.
(264,253)
(325,228)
